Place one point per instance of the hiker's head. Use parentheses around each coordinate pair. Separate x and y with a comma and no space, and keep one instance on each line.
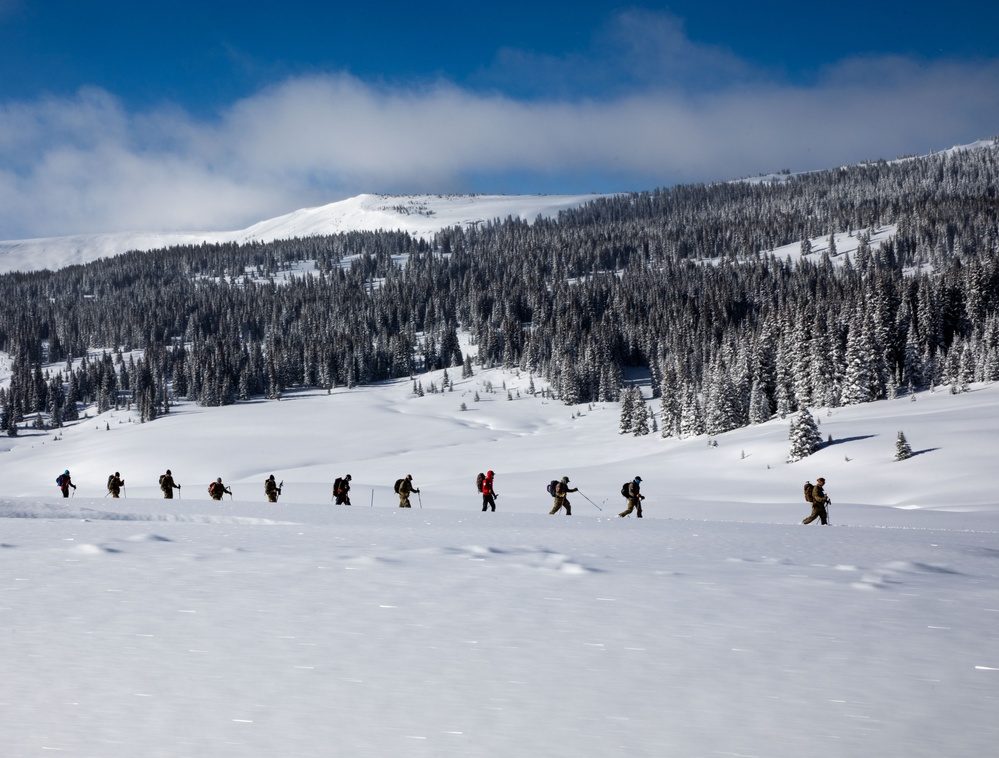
(820,480)
(565,480)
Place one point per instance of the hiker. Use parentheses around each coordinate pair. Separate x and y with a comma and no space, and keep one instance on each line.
(216,489)
(273,489)
(562,489)
(819,501)
(404,487)
(488,492)
(341,490)
(64,482)
(168,485)
(632,491)
(115,483)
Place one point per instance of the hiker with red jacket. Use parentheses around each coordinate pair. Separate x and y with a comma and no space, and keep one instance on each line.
(488,492)
(64,482)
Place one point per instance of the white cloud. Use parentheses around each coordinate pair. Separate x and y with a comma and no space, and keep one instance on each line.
(86,163)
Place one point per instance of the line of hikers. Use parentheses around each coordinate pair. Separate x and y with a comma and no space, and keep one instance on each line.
(484,482)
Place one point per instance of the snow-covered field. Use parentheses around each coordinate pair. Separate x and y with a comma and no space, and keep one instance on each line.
(716,626)
(419,215)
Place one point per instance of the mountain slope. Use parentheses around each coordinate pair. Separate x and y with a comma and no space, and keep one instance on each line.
(420,215)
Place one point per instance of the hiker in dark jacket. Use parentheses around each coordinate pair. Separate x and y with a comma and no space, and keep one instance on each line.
(405,488)
(819,502)
(168,485)
(115,483)
(635,498)
(562,489)
(488,492)
(216,489)
(272,489)
(64,482)
(341,490)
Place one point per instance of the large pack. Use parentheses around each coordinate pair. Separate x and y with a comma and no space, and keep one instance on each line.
(479,480)
(625,489)
(808,492)
(551,487)
(398,484)
(338,485)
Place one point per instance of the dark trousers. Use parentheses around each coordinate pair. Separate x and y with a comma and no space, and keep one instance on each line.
(488,501)
(818,512)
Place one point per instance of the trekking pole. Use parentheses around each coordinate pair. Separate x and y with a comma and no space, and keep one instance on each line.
(591,502)
(418,495)
(372,497)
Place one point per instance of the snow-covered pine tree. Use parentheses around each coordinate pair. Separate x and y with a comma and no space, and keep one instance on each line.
(902,449)
(639,414)
(627,423)
(804,436)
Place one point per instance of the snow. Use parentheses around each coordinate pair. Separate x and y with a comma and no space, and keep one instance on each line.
(420,215)
(716,626)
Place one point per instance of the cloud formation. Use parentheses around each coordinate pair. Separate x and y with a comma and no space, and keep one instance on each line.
(682,112)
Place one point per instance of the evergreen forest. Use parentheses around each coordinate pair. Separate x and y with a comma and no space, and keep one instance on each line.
(676,282)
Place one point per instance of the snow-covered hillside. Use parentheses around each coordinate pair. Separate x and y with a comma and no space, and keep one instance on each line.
(718,625)
(420,215)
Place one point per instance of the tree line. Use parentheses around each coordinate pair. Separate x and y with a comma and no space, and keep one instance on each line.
(675,281)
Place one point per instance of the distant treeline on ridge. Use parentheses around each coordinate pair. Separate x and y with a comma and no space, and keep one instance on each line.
(674,280)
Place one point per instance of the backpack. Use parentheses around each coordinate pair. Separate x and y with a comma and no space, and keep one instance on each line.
(337,485)
(479,480)
(211,488)
(808,492)
(111,477)
(59,479)
(398,484)
(162,477)
(551,487)
(624,489)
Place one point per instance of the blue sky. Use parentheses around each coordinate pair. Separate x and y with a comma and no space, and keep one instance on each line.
(181,115)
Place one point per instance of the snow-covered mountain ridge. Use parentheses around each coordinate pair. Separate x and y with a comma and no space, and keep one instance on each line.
(420,215)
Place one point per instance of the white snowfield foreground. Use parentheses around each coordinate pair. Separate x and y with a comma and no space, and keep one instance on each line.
(717,625)
(153,628)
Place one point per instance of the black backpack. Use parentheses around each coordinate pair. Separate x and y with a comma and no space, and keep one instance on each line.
(551,488)
(625,489)
(337,485)
(398,484)
(808,492)
(479,480)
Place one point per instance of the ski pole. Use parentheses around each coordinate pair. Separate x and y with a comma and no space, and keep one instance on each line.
(372,497)
(418,495)
(591,502)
